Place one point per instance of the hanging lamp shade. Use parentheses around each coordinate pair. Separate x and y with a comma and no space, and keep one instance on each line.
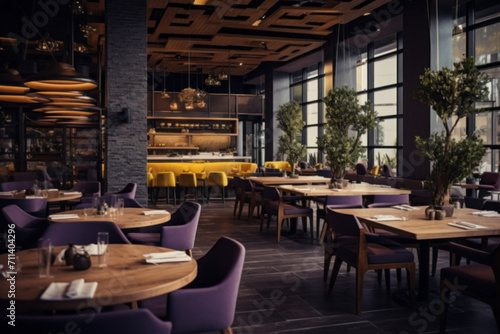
(51,94)
(164,94)
(27,99)
(60,77)
(11,82)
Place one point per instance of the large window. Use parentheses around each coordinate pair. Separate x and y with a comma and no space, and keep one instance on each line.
(480,37)
(306,87)
(377,80)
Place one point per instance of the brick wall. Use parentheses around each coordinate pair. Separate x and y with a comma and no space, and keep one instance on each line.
(126,87)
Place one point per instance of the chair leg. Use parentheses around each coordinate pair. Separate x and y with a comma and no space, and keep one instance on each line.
(227,331)
(326,266)
(335,271)
(445,297)
(222,194)
(434,260)
(360,276)
(387,273)
(167,190)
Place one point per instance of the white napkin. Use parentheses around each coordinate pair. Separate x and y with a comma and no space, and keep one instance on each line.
(59,290)
(155,212)
(75,288)
(336,189)
(64,216)
(71,193)
(302,189)
(175,256)
(486,213)
(385,218)
(33,196)
(53,189)
(405,207)
(5,193)
(466,225)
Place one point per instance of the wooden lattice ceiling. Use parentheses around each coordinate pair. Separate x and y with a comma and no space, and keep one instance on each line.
(211,34)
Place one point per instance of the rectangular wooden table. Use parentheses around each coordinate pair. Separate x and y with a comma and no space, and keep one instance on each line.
(352,189)
(276,180)
(426,232)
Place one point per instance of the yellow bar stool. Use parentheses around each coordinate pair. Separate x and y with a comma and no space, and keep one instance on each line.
(218,179)
(151,184)
(187,180)
(166,180)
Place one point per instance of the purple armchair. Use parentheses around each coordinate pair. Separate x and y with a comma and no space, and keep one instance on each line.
(28,228)
(383,201)
(127,202)
(480,280)
(361,169)
(128,191)
(34,206)
(209,302)
(490,181)
(83,233)
(178,233)
(123,322)
(16,185)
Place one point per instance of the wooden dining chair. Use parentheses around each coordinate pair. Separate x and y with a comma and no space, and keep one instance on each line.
(366,252)
(273,204)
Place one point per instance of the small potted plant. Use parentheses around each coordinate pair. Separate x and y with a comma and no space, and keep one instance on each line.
(346,121)
(290,121)
(453,95)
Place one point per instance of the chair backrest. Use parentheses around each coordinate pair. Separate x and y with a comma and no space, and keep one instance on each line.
(361,169)
(491,206)
(28,228)
(83,233)
(474,202)
(180,232)
(16,185)
(490,178)
(347,201)
(270,194)
(213,293)
(88,188)
(34,206)
(128,191)
(324,172)
(127,202)
(278,174)
(343,224)
(387,170)
(187,179)
(124,322)
(245,184)
(389,200)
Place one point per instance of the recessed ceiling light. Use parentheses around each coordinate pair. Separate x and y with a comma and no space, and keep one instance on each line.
(366,14)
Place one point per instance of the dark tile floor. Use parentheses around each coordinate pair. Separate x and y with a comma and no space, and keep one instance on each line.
(282,288)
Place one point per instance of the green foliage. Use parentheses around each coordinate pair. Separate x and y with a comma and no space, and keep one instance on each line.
(290,121)
(343,116)
(451,93)
(386,159)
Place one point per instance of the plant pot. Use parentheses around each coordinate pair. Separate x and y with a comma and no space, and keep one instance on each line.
(294,176)
(448,209)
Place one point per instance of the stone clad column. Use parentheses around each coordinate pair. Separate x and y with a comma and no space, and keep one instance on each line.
(126,87)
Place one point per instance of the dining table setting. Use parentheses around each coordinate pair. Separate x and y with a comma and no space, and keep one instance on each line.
(51,195)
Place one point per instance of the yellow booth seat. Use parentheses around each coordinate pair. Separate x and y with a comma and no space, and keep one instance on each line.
(283,165)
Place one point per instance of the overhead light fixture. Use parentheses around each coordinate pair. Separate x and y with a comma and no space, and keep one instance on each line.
(457,28)
(174,105)
(222,75)
(212,81)
(78,8)
(259,21)
(367,13)
(60,77)
(11,82)
(87,30)
(164,93)
(47,44)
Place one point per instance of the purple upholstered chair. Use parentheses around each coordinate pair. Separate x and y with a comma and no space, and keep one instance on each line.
(128,191)
(383,201)
(34,206)
(333,202)
(274,204)
(127,202)
(209,302)
(490,181)
(16,185)
(123,322)
(361,169)
(83,233)
(87,188)
(325,172)
(178,233)
(28,228)
(368,252)
(387,170)
(480,280)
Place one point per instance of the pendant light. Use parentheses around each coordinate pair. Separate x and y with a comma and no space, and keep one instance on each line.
(164,93)
(11,82)
(60,77)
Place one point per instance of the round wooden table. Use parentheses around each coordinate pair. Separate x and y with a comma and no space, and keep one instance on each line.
(132,218)
(52,196)
(127,279)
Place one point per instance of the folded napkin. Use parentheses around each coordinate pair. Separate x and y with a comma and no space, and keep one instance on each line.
(53,189)
(71,193)
(336,189)
(385,218)
(155,212)
(5,193)
(175,256)
(405,207)
(302,189)
(466,226)
(33,196)
(64,216)
(77,289)
(486,213)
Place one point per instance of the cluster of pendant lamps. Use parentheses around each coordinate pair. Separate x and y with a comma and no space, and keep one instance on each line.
(57,94)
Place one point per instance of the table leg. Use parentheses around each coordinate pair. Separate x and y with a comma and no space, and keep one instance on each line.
(423,271)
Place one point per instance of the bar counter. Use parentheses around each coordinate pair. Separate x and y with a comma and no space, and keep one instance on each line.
(197,157)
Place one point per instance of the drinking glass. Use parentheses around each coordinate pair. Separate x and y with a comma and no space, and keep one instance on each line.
(120,205)
(102,248)
(45,257)
(88,211)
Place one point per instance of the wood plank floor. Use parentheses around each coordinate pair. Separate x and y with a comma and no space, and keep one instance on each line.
(282,288)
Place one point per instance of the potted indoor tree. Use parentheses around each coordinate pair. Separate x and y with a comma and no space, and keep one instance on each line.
(290,121)
(346,121)
(452,94)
